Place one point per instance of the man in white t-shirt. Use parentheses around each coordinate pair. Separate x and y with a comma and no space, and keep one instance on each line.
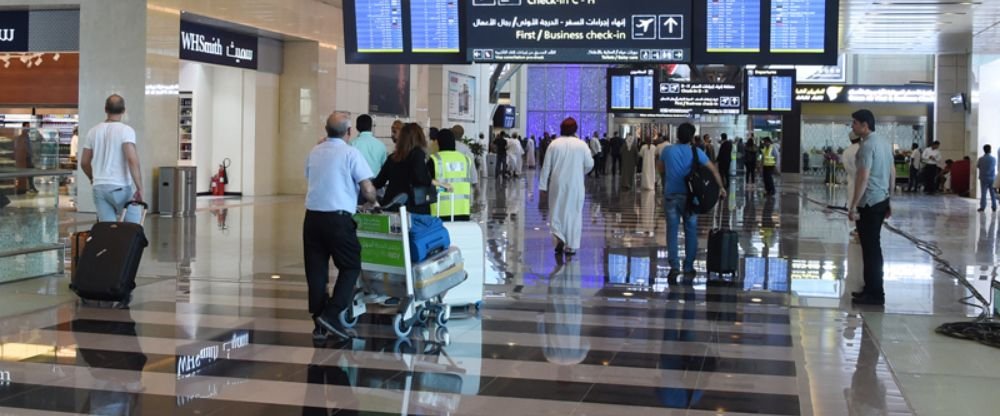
(111,162)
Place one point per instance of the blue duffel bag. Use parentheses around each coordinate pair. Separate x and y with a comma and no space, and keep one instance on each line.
(427,237)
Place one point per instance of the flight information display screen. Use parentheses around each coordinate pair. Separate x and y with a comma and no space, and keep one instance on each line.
(379,26)
(798,26)
(621,92)
(579,31)
(404,32)
(758,93)
(435,26)
(770,90)
(642,92)
(733,26)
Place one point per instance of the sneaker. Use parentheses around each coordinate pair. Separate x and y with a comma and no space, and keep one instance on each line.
(983,209)
(319,334)
(333,327)
(868,300)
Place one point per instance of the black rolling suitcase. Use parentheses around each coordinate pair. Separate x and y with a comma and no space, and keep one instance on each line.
(723,249)
(106,268)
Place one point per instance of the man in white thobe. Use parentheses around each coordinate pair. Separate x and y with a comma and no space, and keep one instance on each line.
(566,163)
(515,152)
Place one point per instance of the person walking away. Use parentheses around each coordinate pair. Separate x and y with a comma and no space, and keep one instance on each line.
(530,151)
(500,148)
(750,162)
(111,162)
(24,159)
(458,132)
(987,174)
(870,205)
(455,169)
(514,156)
(850,165)
(605,154)
(617,143)
(931,159)
(372,149)
(629,154)
(769,161)
(648,153)
(915,164)
(335,172)
(595,151)
(725,159)
(676,163)
(407,169)
(709,147)
(562,184)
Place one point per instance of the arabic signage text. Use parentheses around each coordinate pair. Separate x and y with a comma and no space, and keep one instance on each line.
(217,46)
(579,31)
(889,94)
(14,31)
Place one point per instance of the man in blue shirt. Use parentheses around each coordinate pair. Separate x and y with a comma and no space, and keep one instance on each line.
(987,174)
(336,172)
(371,148)
(676,162)
(876,176)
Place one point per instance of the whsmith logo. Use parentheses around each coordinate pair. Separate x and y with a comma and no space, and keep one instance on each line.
(196,43)
(6,35)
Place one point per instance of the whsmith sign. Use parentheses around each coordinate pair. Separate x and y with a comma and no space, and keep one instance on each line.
(14,31)
(217,46)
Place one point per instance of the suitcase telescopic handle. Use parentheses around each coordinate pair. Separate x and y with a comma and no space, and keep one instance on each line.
(142,218)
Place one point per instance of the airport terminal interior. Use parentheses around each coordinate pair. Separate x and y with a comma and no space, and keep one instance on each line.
(229,97)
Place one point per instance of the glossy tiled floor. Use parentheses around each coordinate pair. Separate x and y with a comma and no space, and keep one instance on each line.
(219,324)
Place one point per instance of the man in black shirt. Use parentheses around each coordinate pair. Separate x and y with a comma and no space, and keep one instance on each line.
(500,148)
(616,154)
(724,159)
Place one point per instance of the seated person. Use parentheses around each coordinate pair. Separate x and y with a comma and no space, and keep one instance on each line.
(944,177)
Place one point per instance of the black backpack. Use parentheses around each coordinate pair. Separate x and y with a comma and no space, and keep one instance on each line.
(703,191)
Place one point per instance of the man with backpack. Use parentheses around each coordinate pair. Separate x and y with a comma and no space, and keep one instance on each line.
(685,195)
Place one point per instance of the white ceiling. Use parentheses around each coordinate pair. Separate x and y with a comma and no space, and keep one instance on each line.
(916,26)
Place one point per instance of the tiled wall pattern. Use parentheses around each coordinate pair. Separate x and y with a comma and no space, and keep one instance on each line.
(556,92)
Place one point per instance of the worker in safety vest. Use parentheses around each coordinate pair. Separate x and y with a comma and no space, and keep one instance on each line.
(769,154)
(454,168)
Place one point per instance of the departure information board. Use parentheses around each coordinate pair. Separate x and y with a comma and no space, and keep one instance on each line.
(770,90)
(782,93)
(434,26)
(379,26)
(642,92)
(798,26)
(758,93)
(621,92)
(733,26)
(579,31)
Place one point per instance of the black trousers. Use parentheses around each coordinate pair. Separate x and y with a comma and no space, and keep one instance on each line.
(501,168)
(870,234)
(724,172)
(751,172)
(326,235)
(930,179)
(616,164)
(769,179)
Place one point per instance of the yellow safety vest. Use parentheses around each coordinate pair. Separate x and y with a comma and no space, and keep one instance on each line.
(769,159)
(452,167)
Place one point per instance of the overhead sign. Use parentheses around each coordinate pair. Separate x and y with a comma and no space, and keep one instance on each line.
(609,31)
(682,99)
(769,90)
(14,31)
(212,45)
(631,90)
(889,94)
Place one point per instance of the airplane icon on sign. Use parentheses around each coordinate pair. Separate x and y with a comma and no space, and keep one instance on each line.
(644,24)
(643,27)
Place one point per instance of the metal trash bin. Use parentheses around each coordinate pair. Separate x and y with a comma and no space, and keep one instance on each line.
(177,191)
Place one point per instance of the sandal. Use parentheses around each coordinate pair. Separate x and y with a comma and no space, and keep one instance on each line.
(559,246)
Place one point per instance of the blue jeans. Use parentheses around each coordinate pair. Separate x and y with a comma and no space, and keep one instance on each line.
(675,206)
(986,187)
(111,199)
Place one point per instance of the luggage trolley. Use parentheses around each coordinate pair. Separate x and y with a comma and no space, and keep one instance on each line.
(388,271)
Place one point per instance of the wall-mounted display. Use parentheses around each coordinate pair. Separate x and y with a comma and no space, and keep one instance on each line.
(631,90)
(389,89)
(617,31)
(769,90)
(766,32)
(461,97)
(404,31)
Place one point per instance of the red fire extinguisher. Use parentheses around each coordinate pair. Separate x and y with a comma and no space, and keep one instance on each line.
(220,179)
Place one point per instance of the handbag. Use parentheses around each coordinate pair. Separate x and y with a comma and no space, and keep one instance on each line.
(424,195)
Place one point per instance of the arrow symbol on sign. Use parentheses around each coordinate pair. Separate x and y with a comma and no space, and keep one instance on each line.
(671,23)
